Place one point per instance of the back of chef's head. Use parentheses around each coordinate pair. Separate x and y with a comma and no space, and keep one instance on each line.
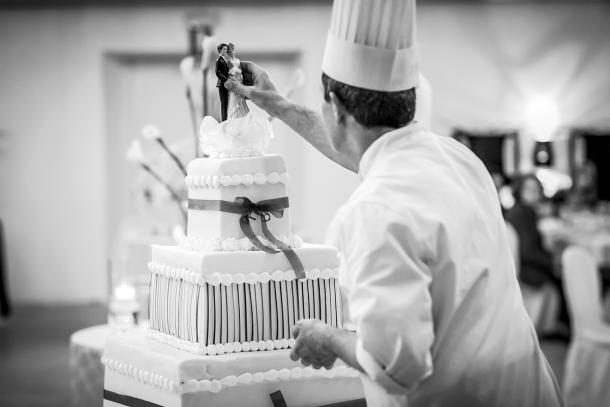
(370,60)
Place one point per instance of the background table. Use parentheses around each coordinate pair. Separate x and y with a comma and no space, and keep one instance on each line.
(586,229)
(86,369)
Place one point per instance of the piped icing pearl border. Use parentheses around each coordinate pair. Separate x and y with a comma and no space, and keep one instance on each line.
(232,244)
(216,385)
(141,375)
(237,278)
(219,349)
(236,154)
(215,181)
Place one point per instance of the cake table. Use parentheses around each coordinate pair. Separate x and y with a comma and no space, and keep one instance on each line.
(86,369)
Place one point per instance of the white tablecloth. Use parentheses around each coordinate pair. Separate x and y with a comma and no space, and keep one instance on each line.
(588,232)
(86,369)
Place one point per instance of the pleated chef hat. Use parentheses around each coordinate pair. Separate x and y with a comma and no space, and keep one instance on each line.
(371,44)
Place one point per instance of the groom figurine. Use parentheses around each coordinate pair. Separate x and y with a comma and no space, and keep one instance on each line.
(222,72)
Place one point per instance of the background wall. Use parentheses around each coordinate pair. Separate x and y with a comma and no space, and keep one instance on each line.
(483,63)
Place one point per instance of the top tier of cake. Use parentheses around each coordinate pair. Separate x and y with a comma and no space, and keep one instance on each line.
(257,178)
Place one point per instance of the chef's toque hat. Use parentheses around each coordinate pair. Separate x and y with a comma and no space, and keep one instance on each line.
(371,44)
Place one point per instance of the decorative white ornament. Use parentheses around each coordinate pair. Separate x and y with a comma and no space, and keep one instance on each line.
(151,132)
(240,137)
(135,154)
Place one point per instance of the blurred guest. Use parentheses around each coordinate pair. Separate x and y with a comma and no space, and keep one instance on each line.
(537,266)
(536,262)
(584,192)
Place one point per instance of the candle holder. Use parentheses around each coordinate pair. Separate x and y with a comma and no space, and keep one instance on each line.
(127,296)
(124,308)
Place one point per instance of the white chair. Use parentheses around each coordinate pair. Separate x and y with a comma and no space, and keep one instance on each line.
(541,304)
(587,372)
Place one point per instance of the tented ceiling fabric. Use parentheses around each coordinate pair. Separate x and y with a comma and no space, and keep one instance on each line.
(485,62)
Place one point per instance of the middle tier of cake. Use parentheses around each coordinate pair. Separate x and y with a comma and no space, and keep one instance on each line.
(214,184)
(222,302)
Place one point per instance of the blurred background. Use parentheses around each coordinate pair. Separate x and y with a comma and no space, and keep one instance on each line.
(524,84)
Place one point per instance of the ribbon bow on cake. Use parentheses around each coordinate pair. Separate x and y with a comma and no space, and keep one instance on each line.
(264,210)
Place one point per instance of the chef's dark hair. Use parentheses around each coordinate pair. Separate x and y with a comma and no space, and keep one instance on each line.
(370,107)
(219,47)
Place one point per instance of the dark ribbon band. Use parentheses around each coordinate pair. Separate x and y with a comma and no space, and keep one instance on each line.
(127,400)
(277,399)
(264,209)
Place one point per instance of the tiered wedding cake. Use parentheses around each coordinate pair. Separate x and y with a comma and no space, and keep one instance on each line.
(223,302)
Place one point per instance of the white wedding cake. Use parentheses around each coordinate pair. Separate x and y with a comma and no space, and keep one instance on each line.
(223,302)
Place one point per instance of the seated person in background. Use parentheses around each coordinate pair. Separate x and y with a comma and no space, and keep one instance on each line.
(537,266)
(584,191)
(536,262)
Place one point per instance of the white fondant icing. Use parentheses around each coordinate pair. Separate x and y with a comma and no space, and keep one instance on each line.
(245,378)
(238,164)
(216,181)
(258,178)
(258,377)
(232,244)
(216,385)
(219,349)
(141,375)
(204,385)
(216,279)
(240,154)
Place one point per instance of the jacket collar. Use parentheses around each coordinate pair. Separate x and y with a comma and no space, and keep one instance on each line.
(389,141)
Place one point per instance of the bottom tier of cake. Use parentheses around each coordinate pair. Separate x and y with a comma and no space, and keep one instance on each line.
(143,372)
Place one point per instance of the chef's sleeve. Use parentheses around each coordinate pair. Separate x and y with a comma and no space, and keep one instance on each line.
(389,298)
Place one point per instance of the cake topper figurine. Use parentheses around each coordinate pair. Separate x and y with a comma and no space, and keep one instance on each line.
(237,103)
(241,132)
(232,105)
(222,73)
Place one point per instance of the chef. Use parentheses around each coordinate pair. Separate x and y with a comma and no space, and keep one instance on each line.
(430,286)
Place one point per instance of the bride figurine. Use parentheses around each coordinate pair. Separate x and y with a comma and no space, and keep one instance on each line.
(237,104)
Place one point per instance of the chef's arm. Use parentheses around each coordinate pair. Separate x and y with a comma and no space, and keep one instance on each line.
(389,298)
(343,344)
(346,345)
(310,125)
(306,122)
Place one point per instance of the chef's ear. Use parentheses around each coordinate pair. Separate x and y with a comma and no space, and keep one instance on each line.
(338,108)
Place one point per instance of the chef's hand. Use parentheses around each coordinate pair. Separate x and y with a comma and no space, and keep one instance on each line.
(313,345)
(309,124)
(258,87)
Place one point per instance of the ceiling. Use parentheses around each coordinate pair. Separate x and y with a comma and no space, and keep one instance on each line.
(20,4)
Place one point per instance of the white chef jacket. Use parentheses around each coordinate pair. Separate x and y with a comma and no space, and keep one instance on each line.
(429,282)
